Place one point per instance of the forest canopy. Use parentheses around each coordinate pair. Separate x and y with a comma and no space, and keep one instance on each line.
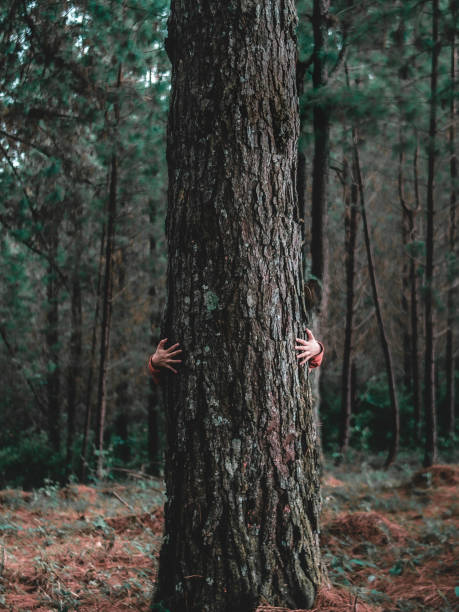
(84,93)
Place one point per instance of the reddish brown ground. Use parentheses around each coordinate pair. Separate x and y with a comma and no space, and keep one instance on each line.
(387,546)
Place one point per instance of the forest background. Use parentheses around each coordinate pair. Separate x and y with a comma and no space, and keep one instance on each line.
(84,92)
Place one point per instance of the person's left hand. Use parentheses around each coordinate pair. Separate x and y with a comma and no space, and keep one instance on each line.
(163,358)
(307,348)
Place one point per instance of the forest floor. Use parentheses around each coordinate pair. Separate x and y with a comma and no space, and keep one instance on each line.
(388,542)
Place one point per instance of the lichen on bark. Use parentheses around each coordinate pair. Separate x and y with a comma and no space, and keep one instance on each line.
(242,461)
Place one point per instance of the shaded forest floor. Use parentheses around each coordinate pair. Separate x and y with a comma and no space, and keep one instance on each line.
(388,538)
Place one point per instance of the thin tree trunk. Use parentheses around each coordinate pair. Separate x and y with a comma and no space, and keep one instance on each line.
(406,214)
(122,388)
(88,402)
(414,305)
(107,294)
(52,344)
(395,414)
(400,40)
(74,372)
(430,454)
(106,317)
(409,287)
(354,396)
(351,223)
(242,459)
(450,390)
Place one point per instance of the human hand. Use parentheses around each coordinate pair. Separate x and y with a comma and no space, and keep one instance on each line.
(163,358)
(307,348)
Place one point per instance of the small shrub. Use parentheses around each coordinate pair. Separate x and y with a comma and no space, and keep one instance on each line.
(30,462)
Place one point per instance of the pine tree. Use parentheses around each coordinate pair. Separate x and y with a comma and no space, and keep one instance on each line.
(242,459)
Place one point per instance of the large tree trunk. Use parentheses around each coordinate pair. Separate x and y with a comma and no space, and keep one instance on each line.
(430,452)
(351,224)
(242,459)
(450,395)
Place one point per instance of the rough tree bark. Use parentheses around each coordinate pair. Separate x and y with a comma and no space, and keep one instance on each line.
(430,451)
(242,459)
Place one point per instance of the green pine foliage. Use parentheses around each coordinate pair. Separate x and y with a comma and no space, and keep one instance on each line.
(82,80)
(57,134)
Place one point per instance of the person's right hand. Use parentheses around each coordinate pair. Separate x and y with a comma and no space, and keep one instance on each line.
(307,348)
(163,358)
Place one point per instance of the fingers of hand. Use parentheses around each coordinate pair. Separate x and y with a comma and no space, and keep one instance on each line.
(174,361)
(174,346)
(162,342)
(305,355)
(304,347)
(309,334)
(170,368)
(174,353)
(301,341)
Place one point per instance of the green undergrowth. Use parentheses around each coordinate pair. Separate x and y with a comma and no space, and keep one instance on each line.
(413,572)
